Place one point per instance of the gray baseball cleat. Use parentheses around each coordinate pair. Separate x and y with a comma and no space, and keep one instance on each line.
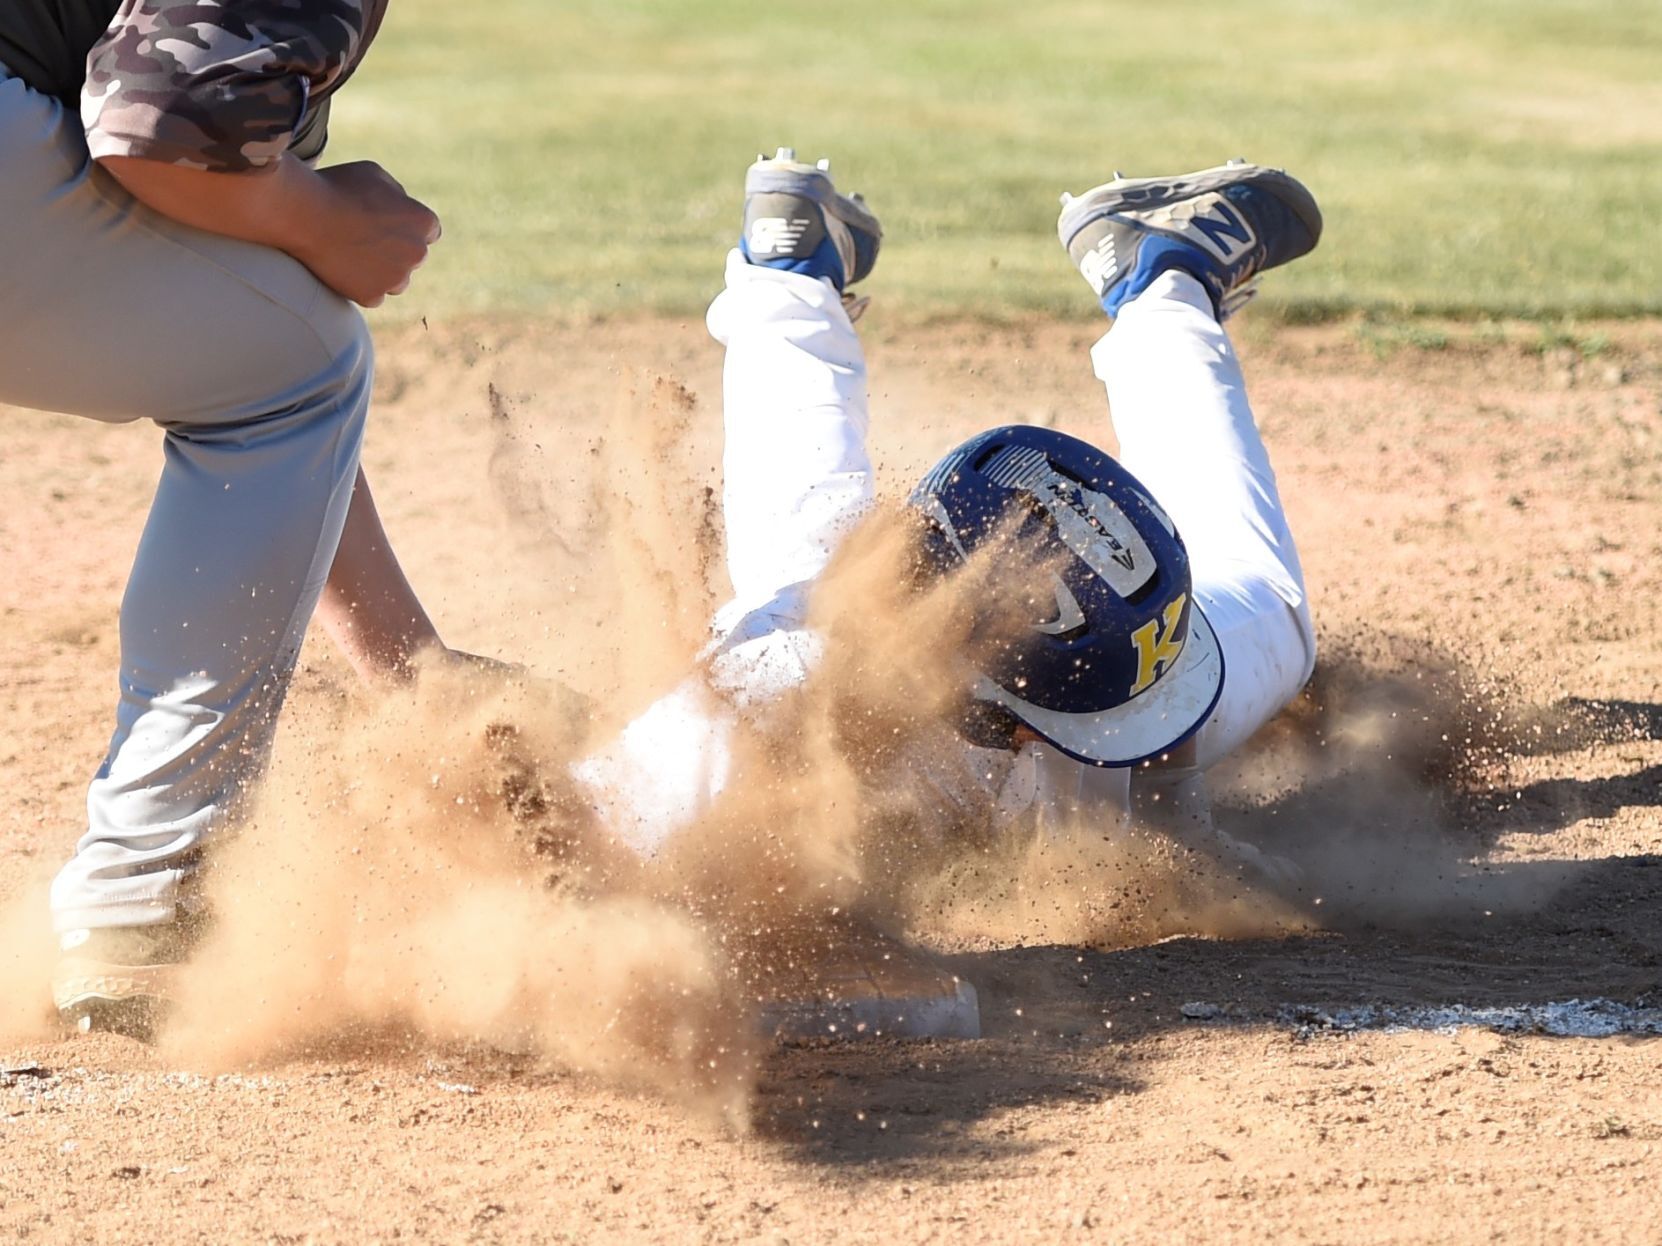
(121,979)
(1224,226)
(795,220)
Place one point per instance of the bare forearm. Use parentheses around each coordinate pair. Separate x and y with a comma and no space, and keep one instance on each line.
(281,206)
(352,225)
(368,608)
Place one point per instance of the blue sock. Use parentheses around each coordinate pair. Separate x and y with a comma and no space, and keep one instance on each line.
(1158,255)
(826,261)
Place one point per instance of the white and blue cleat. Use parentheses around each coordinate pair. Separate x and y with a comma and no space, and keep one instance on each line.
(1223,225)
(795,220)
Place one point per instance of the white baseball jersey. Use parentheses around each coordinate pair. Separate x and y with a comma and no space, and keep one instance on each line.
(798,478)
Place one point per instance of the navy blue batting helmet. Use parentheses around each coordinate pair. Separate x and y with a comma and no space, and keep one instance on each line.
(1127,667)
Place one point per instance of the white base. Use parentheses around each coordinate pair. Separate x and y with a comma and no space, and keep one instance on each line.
(952,1014)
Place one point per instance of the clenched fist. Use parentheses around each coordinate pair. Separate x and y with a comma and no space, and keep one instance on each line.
(367,237)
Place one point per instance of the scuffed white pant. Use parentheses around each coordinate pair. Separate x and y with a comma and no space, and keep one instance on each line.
(1186,431)
(798,478)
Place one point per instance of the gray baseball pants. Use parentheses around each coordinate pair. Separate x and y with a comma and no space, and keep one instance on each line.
(259,377)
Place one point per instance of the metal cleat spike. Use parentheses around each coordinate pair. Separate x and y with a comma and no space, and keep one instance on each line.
(1066,198)
(786,153)
(1118,176)
(1236,162)
(824,164)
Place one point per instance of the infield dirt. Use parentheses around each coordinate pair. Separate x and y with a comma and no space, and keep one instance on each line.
(1479,527)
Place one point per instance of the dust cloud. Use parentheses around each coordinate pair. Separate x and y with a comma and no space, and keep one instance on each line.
(384,887)
(1372,781)
(421,868)
(27,949)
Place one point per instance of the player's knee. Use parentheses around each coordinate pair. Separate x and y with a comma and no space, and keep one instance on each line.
(344,333)
(357,359)
(340,390)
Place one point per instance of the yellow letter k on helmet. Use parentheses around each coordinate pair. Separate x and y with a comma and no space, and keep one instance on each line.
(1158,645)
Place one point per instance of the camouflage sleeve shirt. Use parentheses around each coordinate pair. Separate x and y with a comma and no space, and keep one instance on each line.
(222,85)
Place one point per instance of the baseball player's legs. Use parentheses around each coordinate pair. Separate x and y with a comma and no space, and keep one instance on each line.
(796,479)
(796,474)
(260,378)
(1186,430)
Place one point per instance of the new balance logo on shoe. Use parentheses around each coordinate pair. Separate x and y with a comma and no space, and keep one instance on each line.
(1100,264)
(777,235)
(1223,231)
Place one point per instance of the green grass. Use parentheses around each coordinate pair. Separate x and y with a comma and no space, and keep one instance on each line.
(1474,157)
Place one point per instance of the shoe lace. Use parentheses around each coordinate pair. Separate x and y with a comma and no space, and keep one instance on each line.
(1237,298)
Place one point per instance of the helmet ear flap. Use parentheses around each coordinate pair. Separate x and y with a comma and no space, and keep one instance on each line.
(937,547)
(986,725)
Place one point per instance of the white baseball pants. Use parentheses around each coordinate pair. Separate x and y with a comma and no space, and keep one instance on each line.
(798,478)
(260,378)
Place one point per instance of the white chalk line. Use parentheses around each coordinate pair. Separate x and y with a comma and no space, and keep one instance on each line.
(1570,1018)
